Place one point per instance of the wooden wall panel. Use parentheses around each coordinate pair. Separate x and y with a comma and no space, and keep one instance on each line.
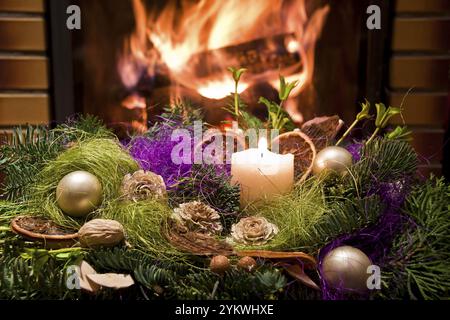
(36,6)
(22,34)
(19,109)
(24,79)
(428,170)
(423,34)
(23,72)
(421,60)
(427,72)
(424,109)
(422,6)
(429,145)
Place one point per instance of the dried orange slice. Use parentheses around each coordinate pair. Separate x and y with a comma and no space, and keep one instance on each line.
(230,140)
(303,149)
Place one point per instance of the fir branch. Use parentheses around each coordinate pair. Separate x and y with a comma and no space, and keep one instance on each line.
(419,265)
(174,280)
(266,283)
(179,115)
(25,279)
(383,160)
(345,217)
(23,158)
(29,150)
(82,127)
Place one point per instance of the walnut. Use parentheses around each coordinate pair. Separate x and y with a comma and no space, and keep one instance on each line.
(143,185)
(101,233)
(198,217)
(253,231)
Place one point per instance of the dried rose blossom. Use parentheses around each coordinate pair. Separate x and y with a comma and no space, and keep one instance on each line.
(198,217)
(143,185)
(253,231)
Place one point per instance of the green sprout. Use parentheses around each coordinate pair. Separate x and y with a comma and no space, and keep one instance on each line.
(286,88)
(279,118)
(237,73)
(363,114)
(399,133)
(383,116)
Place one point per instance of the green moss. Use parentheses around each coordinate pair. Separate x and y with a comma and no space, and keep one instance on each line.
(104,158)
(295,214)
(144,223)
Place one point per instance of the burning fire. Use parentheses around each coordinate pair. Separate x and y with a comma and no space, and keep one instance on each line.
(196,41)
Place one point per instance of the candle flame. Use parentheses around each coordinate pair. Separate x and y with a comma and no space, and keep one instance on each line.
(262,144)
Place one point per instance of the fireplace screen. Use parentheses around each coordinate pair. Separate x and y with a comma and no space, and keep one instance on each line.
(133,58)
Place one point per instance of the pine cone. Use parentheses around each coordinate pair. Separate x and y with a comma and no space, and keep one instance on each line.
(198,217)
(143,185)
(253,231)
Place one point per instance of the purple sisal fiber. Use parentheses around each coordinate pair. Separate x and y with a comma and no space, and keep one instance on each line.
(355,150)
(155,154)
(375,240)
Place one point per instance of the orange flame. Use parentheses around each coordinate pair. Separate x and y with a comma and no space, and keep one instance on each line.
(192,42)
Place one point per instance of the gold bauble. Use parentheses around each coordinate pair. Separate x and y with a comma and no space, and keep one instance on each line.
(332,158)
(79,193)
(346,268)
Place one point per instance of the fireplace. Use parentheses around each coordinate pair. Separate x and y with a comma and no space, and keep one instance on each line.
(50,72)
(133,58)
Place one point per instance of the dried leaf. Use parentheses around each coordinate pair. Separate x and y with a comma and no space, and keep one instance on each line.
(196,243)
(296,271)
(308,260)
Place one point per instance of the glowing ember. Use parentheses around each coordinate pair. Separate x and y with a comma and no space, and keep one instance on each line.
(293,46)
(134,101)
(195,41)
(220,89)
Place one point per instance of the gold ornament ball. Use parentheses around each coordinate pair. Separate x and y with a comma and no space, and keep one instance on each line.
(220,264)
(346,268)
(332,158)
(79,193)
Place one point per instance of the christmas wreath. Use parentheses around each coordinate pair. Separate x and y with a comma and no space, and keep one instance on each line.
(88,216)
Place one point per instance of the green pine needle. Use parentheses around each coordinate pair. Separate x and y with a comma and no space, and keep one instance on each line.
(419,266)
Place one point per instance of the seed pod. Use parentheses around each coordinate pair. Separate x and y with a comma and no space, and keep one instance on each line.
(101,233)
(247,264)
(220,264)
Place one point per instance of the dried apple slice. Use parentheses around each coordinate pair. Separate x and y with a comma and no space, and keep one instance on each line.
(85,284)
(112,280)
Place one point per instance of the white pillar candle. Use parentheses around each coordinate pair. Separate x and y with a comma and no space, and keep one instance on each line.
(261,174)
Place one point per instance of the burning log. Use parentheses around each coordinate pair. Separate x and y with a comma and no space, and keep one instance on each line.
(277,54)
